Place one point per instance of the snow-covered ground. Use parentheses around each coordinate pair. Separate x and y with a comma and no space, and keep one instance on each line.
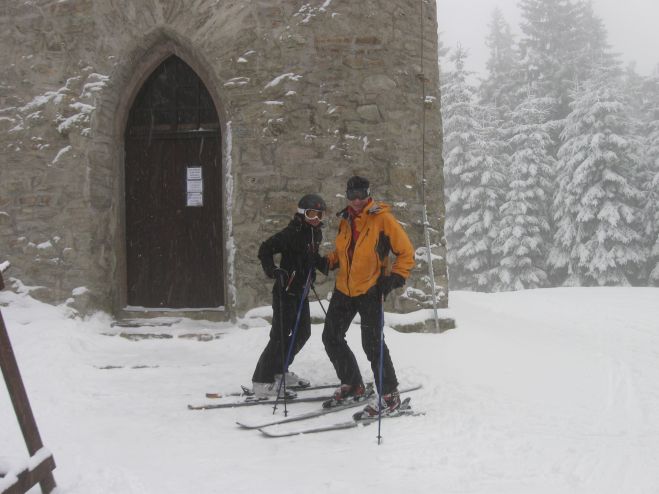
(542,391)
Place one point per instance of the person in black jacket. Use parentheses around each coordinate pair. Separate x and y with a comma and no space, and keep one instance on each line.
(298,245)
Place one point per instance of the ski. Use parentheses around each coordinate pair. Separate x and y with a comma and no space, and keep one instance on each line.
(404,411)
(317,413)
(309,415)
(311,430)
(248,392)
(250,401)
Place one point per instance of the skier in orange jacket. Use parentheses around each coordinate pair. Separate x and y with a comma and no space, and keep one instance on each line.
(368,233)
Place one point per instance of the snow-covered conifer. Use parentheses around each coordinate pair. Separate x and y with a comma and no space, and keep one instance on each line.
(651,179)
(500,86)
(651,216)
(563,44)
(472,180)
(590,49)
(546,48)
(524,229)
(597,205)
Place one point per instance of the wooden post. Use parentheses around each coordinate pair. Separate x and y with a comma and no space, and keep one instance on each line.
(20,400)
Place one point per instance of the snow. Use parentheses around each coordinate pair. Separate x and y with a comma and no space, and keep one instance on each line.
(541,391)
(309,12)
(277,80)
(237,81)
(80,290)
(45,245)
(228,191)
(60,153)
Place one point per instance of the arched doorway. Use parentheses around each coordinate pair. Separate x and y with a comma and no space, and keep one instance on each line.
(174,238)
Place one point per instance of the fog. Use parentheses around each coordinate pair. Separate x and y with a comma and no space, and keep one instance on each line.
(631,26)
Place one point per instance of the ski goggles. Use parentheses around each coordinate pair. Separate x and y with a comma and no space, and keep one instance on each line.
(352,194)
(312,214)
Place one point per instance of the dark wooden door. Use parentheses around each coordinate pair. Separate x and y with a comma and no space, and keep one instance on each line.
(174,193)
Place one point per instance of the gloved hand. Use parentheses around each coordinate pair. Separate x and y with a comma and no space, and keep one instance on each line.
(322,264)
(278,274)
(387,283)
(281,277)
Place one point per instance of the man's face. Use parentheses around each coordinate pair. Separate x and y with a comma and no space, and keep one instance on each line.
(358,204)
(357,198)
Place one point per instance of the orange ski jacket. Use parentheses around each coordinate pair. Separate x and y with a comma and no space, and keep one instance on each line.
(379,234)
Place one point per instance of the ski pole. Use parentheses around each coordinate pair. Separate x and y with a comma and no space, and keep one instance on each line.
(319,301)
(305,293)
(282,293)
(380,370)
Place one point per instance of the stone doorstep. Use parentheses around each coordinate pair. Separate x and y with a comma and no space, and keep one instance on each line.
(140,336)
(133,330)
(141,323)
(213,315)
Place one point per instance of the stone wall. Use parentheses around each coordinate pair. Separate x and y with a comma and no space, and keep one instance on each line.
(308,93)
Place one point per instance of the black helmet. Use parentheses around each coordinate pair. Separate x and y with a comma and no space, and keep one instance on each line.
(358,182)
(312,201)
(357,188)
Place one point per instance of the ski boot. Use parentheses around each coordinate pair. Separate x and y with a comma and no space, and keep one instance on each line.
(388,404)
(294,381)
(266,391)
(348,393)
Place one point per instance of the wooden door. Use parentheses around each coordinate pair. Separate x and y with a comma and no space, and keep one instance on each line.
(174,196)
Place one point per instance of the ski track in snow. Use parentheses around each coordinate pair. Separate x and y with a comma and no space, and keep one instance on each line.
(543,391)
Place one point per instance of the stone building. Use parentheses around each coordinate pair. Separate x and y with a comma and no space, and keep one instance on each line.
(149,147)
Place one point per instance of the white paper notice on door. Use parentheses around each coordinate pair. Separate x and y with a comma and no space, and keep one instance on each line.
(194,187)
(195,199)
(194,173)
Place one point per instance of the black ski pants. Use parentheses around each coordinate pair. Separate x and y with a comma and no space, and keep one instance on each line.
(284,307)
(342,310)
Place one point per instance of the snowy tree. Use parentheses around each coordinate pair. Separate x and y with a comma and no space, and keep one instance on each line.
(597,204)
(591,49)
(642,93)
(472,180)
(651,178)
(563,44)
(524,229)
(500,86)
(651,217)
(548,35)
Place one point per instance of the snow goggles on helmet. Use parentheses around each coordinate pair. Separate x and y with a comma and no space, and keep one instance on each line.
(311,214)
(357,194)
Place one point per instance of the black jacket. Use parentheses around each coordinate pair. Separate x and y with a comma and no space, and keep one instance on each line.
(298,245)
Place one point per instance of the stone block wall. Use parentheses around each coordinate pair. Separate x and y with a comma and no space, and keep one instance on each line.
(308,93)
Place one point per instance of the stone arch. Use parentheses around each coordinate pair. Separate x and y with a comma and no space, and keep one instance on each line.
(107,161)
